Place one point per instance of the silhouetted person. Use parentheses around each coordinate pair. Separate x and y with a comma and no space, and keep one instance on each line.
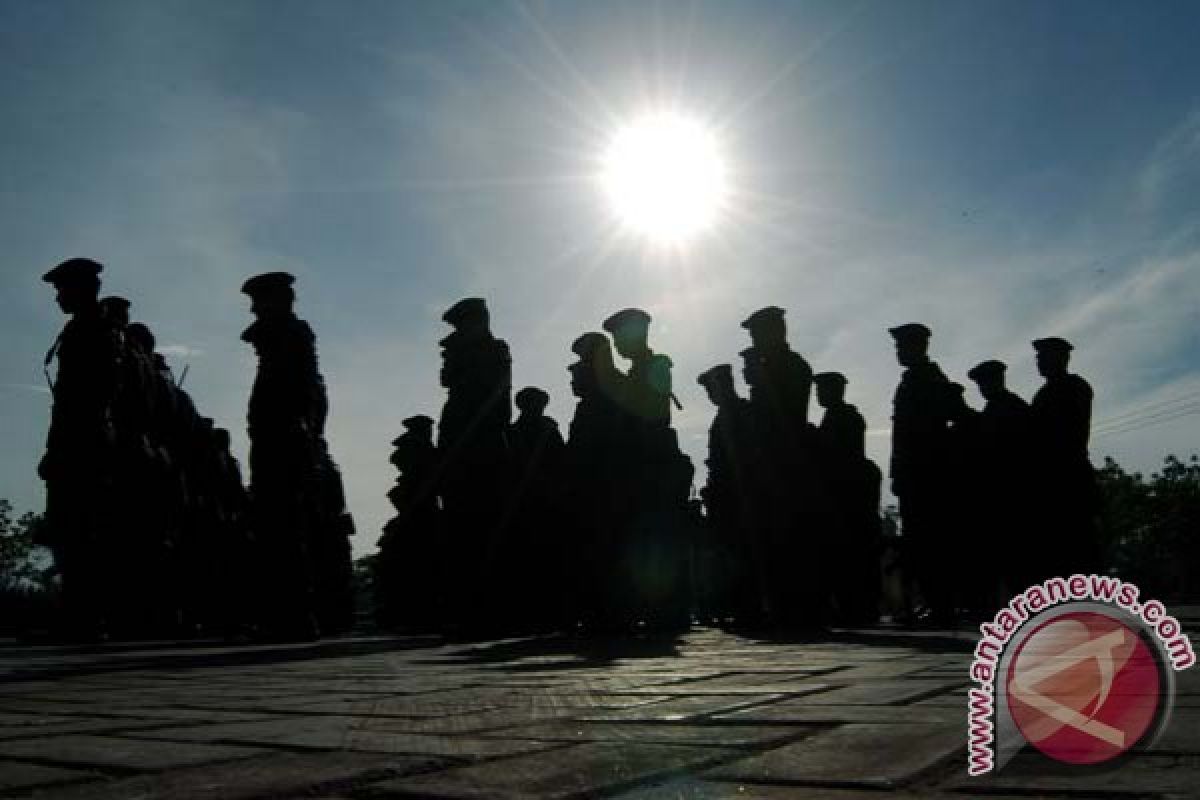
(141,577)
(1002,467)
(286,412)
(732,569)
(597,491)
(536,550)
(1061,417)
(79,462)
(333,529)
(408,574)
(655,556)
(477,374)
(786,376)
(162,495)
(920,453)
(853,482)
(791,499)
(233,549)
(972,589)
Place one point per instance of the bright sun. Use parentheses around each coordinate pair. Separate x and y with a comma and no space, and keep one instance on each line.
(665,178)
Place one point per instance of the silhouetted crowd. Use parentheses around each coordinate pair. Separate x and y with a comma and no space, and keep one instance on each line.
(507,526)
(152,530)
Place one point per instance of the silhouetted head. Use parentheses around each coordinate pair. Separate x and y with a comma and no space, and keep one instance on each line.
(1053,356)
(912,343)
(77,281)
(582,378)
(752,369)
(718,383)
(629,328)
(593,348)
(831,388)
(531,401)
(140,336)
(115,310)
(989,377)
(271,294)
(420,427)
(767,328)
(468,314)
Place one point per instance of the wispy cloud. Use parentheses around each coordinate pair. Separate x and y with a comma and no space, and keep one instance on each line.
(180,351)
(26,387)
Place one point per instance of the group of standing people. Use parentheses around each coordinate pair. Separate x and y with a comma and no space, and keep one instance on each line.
(991,500)
(511,525)
(507,525)
(152,530)
(504,524)
(792,534)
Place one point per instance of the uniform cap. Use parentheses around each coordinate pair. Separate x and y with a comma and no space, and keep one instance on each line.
(420,422)
(626,317)
(267,283)
(1052,344)
(115,302)
(531,397)
(716,376)
(464,310)
(587,344)
(910,332)
(750,354)
(73,270)
(829,379)
(987,369)
(762,317)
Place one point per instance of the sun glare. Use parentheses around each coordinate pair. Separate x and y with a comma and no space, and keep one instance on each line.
(664,176)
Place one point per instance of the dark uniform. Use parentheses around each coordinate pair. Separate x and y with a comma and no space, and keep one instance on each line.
(970,587)
(853,482)
(137,558)
(596,490)
(477,374)
(730,566)
(286,411)
(408,570)
(1061,425)
(920,466)
(233,549)
(792,501)
(655,557)
(1002,465)
(536,553)
(79,463)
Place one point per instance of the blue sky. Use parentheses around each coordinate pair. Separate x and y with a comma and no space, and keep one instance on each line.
(1000,171)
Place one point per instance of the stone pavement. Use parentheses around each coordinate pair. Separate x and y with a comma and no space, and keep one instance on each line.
(705,715)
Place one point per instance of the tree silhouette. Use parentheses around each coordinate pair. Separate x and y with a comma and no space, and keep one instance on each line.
(1149,527)
(27,587)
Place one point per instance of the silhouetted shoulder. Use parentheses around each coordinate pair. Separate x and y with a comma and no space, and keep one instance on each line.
(798,362)
(1079,386)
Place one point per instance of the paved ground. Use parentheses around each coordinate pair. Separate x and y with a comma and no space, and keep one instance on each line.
(707,715)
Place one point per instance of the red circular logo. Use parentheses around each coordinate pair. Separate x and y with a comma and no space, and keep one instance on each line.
(1083,688)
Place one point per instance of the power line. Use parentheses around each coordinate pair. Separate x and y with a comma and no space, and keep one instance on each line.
(1187,397)
(1142,417)
(1149,422)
